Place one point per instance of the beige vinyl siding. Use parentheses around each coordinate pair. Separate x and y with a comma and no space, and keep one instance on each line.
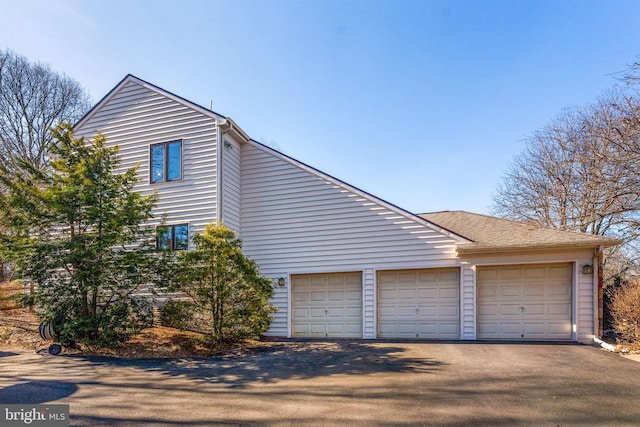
(133,118)
(468,303)
(298,221)
(231,185)
(369,304)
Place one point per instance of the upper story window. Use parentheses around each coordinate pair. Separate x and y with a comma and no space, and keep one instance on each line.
(166,161)
(173,237)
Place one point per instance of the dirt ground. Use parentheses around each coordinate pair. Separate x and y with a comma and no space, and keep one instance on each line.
(19,329)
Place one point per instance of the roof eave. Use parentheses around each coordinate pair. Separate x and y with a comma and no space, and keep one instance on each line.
(229,126)
(472,249)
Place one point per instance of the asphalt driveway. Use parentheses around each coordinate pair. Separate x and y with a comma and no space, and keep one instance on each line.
(339,383)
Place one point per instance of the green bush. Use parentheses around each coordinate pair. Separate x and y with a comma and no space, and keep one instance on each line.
(177,314)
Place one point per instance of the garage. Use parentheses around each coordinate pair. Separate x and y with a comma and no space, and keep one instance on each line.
(528,302)
(419,304)
(327,305)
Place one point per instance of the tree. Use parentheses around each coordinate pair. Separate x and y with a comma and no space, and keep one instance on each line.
(574,175)
(225,285)
(76,230)
(33,99)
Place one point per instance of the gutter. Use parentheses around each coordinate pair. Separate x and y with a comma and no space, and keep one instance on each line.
(469,249)
(231,128)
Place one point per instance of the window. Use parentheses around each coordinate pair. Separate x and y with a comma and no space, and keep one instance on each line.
(166,161)
(173,237)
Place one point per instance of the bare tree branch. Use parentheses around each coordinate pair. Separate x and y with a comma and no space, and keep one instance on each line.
(33,99)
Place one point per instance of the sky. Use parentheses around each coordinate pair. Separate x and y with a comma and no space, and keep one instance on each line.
(421,103)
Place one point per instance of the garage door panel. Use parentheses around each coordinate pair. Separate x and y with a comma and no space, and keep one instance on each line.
(511,329)
(524,302)
(562,272)
(534,273)
(560,328)
(449,330)
(449,312)
(510,274)
(509,291)
(506,309)
(317,313)
(327,305)
(406,294)
(487,291)
(428,311)
(562,310)
(485,310)
(558,290)
(425,294)
(448,293)
(535,309)
(318,296)
(419,304)
(534,291)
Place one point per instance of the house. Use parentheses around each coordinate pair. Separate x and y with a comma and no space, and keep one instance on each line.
(345,263)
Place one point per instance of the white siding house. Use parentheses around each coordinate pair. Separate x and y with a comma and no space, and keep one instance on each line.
(353,265)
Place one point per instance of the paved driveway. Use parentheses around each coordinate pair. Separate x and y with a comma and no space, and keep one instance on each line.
(339,383)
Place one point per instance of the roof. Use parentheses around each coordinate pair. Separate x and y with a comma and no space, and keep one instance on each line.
(229,125)
(489,233)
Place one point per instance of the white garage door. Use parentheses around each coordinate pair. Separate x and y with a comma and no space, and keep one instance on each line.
(524,302)
(419,304)
(327,305)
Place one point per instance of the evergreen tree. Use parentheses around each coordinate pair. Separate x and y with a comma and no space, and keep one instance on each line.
(76,230)
(225,285)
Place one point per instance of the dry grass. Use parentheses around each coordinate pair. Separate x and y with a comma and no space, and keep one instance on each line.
(19,329)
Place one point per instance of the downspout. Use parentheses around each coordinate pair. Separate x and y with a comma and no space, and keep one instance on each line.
(598,301)
(220,135)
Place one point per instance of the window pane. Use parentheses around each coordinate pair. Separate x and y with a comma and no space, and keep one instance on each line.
(180,237)
(157,163)
(164,238)
(173,160)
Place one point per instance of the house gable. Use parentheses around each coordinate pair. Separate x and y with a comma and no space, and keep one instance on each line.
(136,115)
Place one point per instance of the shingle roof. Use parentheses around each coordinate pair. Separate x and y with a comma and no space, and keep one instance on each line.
(490,233)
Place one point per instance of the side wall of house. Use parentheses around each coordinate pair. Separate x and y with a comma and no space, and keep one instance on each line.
(295,221)
(230,161)
(135,117)
(582,289)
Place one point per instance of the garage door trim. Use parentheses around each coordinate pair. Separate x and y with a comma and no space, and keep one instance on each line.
(351,328)
(434,293)
(565,321)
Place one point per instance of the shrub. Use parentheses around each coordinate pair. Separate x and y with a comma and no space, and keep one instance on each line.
(226,287)
(177,314)
(625,312)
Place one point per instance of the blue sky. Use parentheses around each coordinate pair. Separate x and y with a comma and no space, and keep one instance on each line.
(422,103)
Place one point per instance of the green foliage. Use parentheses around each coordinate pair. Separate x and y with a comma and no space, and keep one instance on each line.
(177,314)
(225,285)
(76,230)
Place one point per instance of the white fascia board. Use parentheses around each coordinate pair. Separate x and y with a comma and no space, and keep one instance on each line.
(230,127)
(335,181)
